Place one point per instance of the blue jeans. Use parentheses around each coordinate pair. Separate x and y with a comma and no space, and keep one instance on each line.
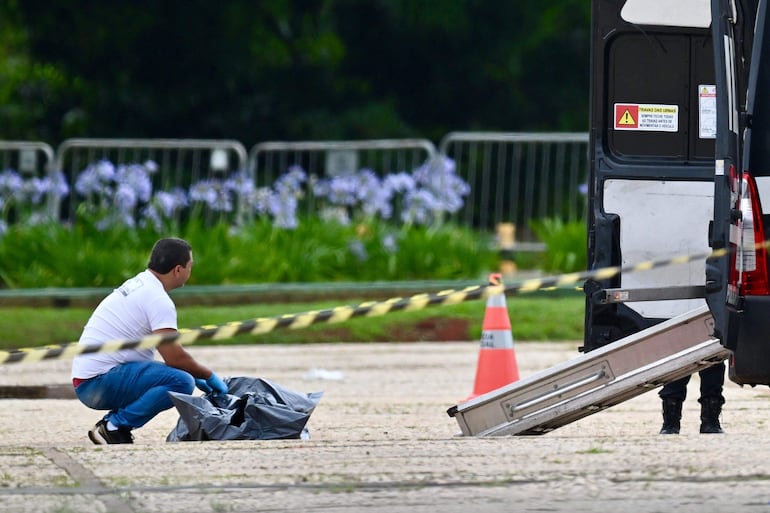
(134,392)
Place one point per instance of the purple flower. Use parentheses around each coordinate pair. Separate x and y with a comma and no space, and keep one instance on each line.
(164,206)
(213,194)
(125,198)
(105,170)
(32,190)
(115,193)
(56,184)
(10,183)
(283,209)
(343,190)
(261,200)
(24,194)
(151,166)
(438,176)
(389,243)
(281,201)
(240,183)
(335,214)
(421,207)
(374,197)
(293,179)
(358,250)
(96,179)
(400,182)
(170,202)
(339,190)
(137,177)
(242,187)
(363,190)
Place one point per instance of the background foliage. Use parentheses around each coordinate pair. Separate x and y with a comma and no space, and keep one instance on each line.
(272,70)
(290,69)
(52,255)
(282,69)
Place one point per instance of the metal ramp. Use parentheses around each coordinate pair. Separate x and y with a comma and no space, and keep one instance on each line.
(596,380)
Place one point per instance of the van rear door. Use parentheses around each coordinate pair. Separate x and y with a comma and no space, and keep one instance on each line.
(653,129)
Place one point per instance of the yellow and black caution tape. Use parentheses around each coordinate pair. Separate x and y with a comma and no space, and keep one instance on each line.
(263,325)
(256,326)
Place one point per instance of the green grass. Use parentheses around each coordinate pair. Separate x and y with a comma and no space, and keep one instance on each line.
(534,317)
(53,255)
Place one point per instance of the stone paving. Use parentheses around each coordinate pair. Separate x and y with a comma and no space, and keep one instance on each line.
(381,442)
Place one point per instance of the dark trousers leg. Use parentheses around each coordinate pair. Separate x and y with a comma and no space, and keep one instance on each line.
(675,390)
(712,380)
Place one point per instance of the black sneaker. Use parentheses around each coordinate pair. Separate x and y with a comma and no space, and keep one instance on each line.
(100,435)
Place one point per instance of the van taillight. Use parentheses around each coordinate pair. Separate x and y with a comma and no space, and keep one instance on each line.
(749,273)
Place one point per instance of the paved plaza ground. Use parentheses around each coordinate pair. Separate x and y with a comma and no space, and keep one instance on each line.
(381,442)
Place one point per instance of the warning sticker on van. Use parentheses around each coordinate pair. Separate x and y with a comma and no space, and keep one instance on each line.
(647,117)
(707,111)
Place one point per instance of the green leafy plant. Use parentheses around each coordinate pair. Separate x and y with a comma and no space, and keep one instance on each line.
(365,228)
(565,243)
(55,255)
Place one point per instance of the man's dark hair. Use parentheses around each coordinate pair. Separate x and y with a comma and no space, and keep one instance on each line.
(168,253)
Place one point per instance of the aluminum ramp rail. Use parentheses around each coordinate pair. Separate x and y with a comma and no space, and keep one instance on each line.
(596,380)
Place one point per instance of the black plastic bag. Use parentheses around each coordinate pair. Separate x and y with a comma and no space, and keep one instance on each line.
(253,409)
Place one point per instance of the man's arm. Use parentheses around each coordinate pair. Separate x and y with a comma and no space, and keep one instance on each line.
(177,356)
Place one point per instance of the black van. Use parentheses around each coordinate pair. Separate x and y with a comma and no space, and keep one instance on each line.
(674,110)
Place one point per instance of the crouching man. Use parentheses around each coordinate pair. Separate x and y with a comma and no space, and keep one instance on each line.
(130,383)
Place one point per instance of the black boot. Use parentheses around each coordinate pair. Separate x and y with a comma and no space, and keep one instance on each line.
(710,408)
(672,414)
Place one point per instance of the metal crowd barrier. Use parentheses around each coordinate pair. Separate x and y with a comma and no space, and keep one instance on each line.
(181,162)
(268,160)
(519,177)
(514,177)
(30,158)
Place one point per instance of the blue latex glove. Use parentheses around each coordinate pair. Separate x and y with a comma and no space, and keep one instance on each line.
(202,385)
(216,384)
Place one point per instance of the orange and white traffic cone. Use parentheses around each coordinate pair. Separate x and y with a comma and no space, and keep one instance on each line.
(497,359)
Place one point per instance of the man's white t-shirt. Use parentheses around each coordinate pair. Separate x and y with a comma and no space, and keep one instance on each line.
(132,311)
